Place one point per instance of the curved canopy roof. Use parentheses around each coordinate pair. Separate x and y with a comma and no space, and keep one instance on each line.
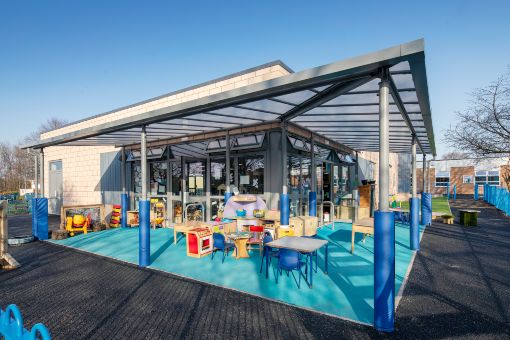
(338,101)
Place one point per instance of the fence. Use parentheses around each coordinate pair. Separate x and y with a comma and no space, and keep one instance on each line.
(498,197)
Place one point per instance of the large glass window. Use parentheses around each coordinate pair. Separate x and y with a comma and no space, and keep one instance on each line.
(487,177)
(442,178)
(175,172)
(251,174)
(137,177)
(218,177)
(158,179)
(195,179)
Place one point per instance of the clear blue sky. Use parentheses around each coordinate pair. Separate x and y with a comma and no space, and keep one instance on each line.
(73,59)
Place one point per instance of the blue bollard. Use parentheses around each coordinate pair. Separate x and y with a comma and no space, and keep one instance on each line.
(312,203)
(384,271)
(144,248)
(124,208)
(414,226)
(476,192)
(426,208)
(40,218)
(284,209)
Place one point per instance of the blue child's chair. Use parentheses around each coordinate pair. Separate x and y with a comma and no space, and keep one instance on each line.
(220,244)
(268,253)
(290,260)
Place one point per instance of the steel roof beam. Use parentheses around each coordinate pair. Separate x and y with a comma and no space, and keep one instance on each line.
(400,105)
(325,96)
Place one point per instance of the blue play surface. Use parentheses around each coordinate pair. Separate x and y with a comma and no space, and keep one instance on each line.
(346,292)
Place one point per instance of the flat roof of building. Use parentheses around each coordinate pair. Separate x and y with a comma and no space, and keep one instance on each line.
(338,101)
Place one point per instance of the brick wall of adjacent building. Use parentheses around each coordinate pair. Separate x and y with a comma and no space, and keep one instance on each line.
(456,178)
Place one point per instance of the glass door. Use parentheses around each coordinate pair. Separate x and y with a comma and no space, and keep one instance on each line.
(196,196)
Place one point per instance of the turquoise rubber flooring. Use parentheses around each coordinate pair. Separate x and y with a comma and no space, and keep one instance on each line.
(346,292)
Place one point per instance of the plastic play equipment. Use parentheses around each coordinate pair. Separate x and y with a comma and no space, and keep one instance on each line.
(6,260)
(11,326)
(247,202)
(78,223)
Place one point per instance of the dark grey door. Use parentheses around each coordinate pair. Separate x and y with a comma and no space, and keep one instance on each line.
(56,187)
(110,185)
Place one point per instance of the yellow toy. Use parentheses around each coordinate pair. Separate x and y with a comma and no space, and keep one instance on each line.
(78,223)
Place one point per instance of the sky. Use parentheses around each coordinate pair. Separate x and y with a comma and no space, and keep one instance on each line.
(74,59)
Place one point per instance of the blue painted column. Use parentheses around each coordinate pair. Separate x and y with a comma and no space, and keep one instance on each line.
(384,270)
(414,205)
(284,198)
(454,192)
(312,203)
(384,224)
(426,208)
(124,199)
(476,192)
(144,250)
(284,209)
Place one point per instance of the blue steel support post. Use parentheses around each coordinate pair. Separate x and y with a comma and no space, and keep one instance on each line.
(476,192)
(124,196)
(284,198)
(144,251)
(312,195)
(384,224)
(124,208)
(384,275)
(312,203)
(414,204)
(144,233)
(454,192)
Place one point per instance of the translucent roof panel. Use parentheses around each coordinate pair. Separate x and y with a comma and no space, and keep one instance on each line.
(339,101)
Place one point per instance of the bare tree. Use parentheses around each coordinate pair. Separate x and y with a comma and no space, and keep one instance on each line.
(16,164)
(483,129)
(455,155)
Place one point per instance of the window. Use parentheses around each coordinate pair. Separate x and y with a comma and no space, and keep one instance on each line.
(175,173)
(442,178)
(56,165)
(467,179)
(195,183)
(485,176)
(158,178)
(251,174)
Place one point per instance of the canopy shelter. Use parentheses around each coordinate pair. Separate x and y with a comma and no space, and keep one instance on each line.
(376,102)
(338,100)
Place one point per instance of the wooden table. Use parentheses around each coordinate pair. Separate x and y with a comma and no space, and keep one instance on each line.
(365,226)
(468,217)
(240,240)
(303,245)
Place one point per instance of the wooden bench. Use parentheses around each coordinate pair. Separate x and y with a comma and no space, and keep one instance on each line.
(468,217)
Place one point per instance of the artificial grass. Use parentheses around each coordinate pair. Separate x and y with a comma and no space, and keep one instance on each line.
(439,205)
